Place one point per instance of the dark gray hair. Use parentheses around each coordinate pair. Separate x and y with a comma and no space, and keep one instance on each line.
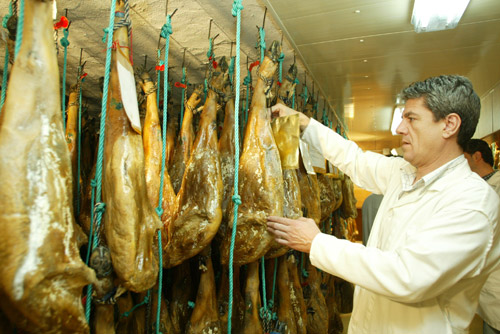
(448,94)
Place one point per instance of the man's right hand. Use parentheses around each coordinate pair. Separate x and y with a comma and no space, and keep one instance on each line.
(280,110)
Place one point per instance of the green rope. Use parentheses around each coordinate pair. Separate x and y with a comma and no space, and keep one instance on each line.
(91,234)
(325,117)
(65,43)
(210,52)
(183,81)
(20,27)
(100,152)
(296,82)
(265,313)
(304,95)
(79,146)
(247,82)
(6,63)
(271,301)
(231,71)
(236,11)
(144,302)
(280,60)
(205,88)
(302,269)
(158,80)
(166,31)
(261,43)
(4,77)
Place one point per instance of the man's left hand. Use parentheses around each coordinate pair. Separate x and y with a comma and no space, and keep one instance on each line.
(294,233)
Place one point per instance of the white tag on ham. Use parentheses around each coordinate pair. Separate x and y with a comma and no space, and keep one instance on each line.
(128,91)
(306,158)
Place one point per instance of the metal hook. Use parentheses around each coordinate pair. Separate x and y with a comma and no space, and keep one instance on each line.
(264,20)
(145,61)
(210,28)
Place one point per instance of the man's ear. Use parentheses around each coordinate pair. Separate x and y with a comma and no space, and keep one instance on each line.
(477,156)
(452,124)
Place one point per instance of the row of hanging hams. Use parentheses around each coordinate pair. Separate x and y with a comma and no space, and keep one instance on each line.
(43,273)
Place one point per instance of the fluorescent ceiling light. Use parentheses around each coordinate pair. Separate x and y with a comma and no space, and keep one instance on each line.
(434,15)
(396,119)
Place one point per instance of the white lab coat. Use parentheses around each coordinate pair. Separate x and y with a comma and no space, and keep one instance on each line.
(430,249)
(489,299)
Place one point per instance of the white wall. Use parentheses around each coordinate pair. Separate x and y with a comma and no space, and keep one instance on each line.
(489,121)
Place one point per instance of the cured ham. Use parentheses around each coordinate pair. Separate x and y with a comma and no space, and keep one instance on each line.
(130,221)
(180,311)
(227,157)
(317,311)
(327,196)
(205,316)
(71,135)
(260,175)
(185,140)
(349,201)
(223,301)
(41,273)
(152,141)
(296,296)
(285,312)
(310,194)
(289,154)
(251,322)
(335,325)
(200,196)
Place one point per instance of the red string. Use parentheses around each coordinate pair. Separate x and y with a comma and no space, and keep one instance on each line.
(214,64)
(160,68)
(180,85)
(63,23)
(252,65)
(83,76)
(279,84)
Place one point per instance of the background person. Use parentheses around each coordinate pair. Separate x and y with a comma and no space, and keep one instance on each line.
(480,159)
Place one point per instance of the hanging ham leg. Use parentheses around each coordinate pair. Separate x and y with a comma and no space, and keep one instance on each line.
(205,317)
(327,196)
(227,153)
(296,295)
(251,323)
(184,145)
(178,307)
(130,221)
(72,134)
(238,312)
(285,307)
(310,194)
(41,273)
(317,311)
(292,201)
(151,138)
(260,176)
(200,196)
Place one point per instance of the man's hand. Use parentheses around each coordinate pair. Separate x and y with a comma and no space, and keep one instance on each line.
(280,110)
(294,233)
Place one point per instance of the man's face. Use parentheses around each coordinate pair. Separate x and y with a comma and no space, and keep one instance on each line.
(421,135)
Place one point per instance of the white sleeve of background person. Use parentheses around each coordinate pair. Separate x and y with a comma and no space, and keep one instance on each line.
(368,170)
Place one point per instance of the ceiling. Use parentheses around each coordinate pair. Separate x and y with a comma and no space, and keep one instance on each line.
(357,53)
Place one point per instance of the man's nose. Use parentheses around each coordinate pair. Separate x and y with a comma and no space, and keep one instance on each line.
(401,129)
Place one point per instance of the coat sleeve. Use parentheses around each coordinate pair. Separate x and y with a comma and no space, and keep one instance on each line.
(368,170)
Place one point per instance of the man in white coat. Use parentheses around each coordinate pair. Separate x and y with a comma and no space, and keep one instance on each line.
(480,159)
(434,239)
